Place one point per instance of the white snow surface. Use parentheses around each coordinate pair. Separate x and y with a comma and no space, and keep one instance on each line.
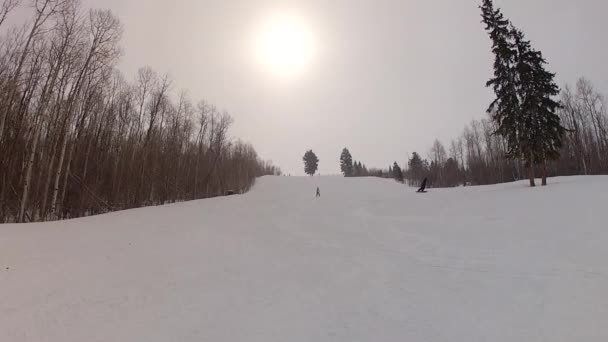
(368,261)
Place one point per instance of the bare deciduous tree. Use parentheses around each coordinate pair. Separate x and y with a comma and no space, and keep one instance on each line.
(77,139)
(7,7)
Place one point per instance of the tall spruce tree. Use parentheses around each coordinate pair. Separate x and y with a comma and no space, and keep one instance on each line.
(416,169)
(541,124)
(397,173)
(524,111)
(505,109)
(311,163)
(359,170)
(346,163)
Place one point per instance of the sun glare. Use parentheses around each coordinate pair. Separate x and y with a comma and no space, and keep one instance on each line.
(284,46)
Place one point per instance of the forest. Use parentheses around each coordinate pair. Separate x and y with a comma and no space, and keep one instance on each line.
(77,138)
(533,128)
(477,156)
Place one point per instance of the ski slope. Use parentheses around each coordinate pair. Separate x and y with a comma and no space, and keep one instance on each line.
(368,261)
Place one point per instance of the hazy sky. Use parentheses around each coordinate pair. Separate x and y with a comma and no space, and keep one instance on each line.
(386,78)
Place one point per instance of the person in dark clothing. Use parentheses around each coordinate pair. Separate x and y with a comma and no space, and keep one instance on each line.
(423,187)
(318,192)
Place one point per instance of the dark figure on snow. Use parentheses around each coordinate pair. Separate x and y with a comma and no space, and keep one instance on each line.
(318,192)
(423,187)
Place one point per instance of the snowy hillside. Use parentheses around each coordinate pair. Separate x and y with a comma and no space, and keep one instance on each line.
(368,261)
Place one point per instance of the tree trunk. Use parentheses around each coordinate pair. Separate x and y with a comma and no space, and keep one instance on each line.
(83,178)
(28,175)
(47,183)
(531,176)
(13,82)
(2,199)
(58,173)
(531,171)
(544,166)
(65,183)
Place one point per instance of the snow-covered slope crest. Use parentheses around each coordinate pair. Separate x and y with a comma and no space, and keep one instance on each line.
(368,261)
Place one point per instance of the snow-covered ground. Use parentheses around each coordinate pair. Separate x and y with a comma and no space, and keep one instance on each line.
(368,261)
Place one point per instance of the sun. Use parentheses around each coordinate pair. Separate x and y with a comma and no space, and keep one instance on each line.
(284,45)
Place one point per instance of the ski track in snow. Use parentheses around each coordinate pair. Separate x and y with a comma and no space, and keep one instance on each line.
(368,261)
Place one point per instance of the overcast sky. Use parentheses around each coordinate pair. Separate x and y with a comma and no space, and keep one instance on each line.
(387,76)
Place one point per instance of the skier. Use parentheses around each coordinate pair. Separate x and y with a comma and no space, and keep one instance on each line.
(423,187)
(318,192)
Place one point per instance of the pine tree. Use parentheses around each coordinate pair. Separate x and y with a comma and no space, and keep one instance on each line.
(397,173)
(311,163)
(524,111)
(416,169)
(346,163)
(542,140)
(505,109)
(355,169)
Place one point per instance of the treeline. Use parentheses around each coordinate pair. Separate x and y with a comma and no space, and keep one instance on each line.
(529,130)
(77,139)
(353,168)
(477,157)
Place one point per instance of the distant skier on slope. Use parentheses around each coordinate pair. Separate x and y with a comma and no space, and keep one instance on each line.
(423,187)
(318,192)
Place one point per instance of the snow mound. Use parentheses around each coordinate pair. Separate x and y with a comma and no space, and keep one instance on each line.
(368,261)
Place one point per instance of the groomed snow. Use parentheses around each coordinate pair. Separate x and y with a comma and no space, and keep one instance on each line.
(368,261)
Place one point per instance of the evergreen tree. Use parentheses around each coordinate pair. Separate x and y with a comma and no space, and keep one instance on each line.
(397,173)
(524,111)
(358,170)
(364,171)
(416,169)
(311,163)
(505,109)
(346,163)
(543,131)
